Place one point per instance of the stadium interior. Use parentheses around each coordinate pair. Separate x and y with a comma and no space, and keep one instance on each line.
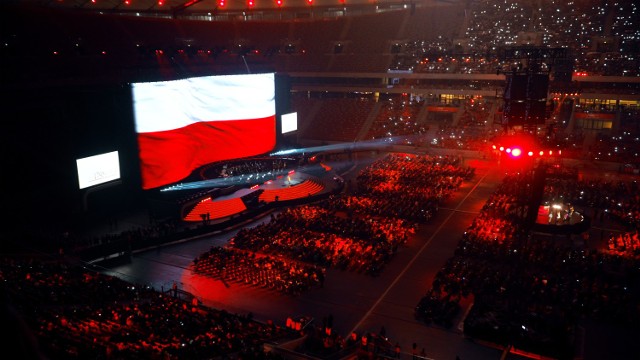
(415,179)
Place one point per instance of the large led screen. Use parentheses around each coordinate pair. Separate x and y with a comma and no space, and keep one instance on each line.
(184,124)
(289,122)
(98,169)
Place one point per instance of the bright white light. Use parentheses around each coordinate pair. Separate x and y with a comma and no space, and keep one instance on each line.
(98,169)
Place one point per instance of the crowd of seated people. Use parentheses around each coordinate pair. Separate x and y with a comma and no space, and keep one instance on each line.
(626,244)
(476,112)
(558,24)
(339,119)
(473,129)
(398,117)
(90,247)
(76,313)
(497,223)
(322,342)
(490,25)
(359,232)
(316,236)
(228,264)
(494,24)
(623,148)
(462,137)
(408,186)
(529,290)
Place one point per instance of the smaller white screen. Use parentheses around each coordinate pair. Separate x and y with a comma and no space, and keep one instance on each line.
(289,122)
(98,169)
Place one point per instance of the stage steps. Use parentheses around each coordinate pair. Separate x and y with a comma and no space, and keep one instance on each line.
(217,209)
(304,189)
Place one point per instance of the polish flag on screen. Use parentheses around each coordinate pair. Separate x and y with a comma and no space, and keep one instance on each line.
(184,124)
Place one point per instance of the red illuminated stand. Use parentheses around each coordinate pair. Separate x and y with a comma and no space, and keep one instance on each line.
(285,188)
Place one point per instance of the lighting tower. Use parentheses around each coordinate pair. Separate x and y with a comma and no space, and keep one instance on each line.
(527,83)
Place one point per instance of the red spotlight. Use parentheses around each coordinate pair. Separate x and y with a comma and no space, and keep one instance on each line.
(221,3)
(279,3)
(310,2)
(494,147)
(541,152)
(127,2)
(530,153)
(508,150)
(550,152)
(516,152)
(251,3)
(160,2)
(501,148)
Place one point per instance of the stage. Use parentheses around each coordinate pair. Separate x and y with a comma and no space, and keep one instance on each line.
(291,186)
(560,219)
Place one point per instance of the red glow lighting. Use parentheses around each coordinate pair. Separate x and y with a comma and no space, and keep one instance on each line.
(254,187)
(127,2)
(160,2)
(251,3)
(541,152)
(310,2)
(501,148)
(291,172)
(508,150)
(279,3)
(530,153)
(516,152)
(221,3)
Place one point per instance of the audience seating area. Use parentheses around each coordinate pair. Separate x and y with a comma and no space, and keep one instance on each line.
(531,290)
(623,148)
(252,269)
(76,313)
(626,244)
(360,232)
(339,119)
(398,117)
